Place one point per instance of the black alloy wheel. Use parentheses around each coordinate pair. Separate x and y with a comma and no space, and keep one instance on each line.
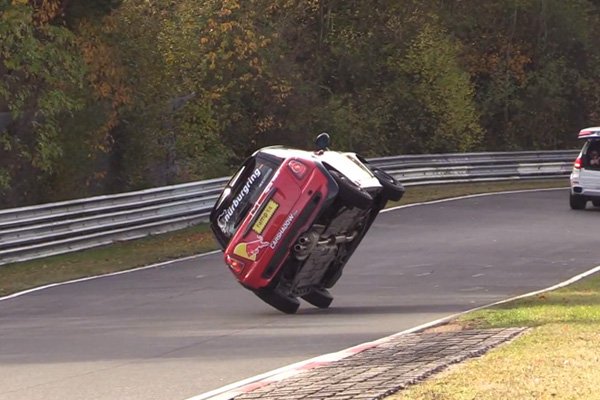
(319,297)
(392,189)
(351,194)
(285,304)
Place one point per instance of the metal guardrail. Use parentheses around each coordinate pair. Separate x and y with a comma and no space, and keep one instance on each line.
(475,167)
(43,230)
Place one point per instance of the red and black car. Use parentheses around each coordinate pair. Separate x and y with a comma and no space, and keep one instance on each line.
(289,220)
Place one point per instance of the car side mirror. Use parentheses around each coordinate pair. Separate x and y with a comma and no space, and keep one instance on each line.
(323,140)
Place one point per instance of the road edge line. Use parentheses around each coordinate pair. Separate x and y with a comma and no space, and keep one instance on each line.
(232,390)
(174,261)
(89,278)
(468,196)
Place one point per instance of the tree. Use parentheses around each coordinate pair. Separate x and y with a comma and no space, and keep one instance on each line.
(448,120)
(41,81)
(531,62)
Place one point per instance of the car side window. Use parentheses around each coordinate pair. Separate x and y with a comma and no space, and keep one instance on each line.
(592,159)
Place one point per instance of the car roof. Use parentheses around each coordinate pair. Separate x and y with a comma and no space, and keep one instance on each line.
(283,152)
(345,162)
(286,152)
(589,133)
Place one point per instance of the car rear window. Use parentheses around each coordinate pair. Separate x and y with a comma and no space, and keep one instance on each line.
(592,155)
(242,192)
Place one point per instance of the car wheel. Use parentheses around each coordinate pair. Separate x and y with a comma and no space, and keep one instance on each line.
(596,203)
(351,194)
(319,298)
(285,304)
(577,202)
(392,189)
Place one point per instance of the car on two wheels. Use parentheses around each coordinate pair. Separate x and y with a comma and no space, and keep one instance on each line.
(289,220)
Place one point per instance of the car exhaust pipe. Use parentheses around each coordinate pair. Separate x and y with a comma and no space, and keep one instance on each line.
(300,248)
(338,239)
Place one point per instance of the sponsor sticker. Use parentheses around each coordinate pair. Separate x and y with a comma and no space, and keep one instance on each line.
(251,249)
(284,227)
(225,216)
(265,217)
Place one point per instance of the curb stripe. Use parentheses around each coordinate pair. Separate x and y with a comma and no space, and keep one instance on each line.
(230,391)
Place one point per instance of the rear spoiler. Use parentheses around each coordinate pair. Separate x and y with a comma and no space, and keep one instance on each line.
(589,133)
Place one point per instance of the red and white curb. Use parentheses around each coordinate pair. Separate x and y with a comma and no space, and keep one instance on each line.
(248,385)
(253,383)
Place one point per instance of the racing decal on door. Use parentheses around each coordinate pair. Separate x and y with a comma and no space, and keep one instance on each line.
(251,249)
(265,217)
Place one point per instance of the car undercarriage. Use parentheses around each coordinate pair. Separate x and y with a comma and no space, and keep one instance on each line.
(319,254)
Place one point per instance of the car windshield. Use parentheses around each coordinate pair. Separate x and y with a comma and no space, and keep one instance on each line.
(242,192)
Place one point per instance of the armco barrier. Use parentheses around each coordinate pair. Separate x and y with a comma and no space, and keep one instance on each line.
(38,231)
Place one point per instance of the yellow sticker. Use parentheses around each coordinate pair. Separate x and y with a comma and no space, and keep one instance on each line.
(265,217)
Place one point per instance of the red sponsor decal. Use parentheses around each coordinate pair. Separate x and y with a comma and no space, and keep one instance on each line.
(251,249)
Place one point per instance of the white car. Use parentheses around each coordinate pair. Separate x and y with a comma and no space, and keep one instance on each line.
(585,178)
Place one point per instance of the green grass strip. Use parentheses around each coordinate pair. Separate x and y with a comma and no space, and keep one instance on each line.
(558,359)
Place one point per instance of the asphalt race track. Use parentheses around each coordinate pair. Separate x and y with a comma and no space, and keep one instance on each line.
(181,330)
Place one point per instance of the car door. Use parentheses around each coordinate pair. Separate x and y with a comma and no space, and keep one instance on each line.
(589,176)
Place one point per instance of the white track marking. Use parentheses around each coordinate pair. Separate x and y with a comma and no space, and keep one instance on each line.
(165,263)
(235,389)
(157,265)
(469,196)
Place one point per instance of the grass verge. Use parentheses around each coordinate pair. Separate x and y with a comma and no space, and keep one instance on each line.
(105,259)
(135,253)
(558,359)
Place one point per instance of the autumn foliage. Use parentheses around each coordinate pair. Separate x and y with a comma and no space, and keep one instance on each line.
(106,95)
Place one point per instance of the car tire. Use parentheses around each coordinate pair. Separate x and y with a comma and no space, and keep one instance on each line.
(318,297)
(577,202)
(351,194)
(596,203)
(392,189)
(285,304)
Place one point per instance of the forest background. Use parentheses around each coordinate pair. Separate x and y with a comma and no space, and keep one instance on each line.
(104,96)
